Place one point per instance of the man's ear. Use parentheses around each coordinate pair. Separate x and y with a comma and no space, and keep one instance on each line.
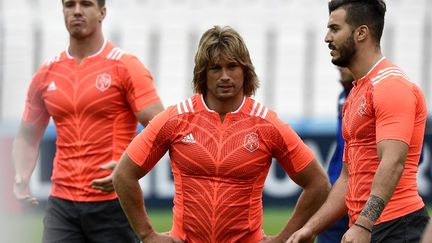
(102,14)
(361,33)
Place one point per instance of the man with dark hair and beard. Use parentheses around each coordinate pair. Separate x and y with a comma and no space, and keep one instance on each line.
(96,94)
(383,126)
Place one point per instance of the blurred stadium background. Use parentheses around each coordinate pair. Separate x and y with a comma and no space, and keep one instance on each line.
(286,41)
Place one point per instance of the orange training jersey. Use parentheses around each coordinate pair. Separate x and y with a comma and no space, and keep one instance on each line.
(219,167)
(383,105)
(92,105)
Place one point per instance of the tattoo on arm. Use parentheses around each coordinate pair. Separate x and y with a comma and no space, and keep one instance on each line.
(373,208)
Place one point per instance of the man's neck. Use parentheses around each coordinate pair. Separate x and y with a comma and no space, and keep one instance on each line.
(224,107)
(364,61)
(82,48)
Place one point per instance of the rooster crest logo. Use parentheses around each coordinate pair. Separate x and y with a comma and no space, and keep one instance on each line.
(103,82)
(362,106)
(251,142)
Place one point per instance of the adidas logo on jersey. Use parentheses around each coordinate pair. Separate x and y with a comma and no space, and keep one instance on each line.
(189,139)
(51,86)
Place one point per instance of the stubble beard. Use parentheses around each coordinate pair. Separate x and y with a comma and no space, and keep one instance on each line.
(346,52)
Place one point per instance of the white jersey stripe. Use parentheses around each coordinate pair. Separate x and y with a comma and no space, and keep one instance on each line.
(387,69)
(385,73)
(114,50)
(53,60)
(115,55)
(179,109)
(190,104)
(388,75)
(184,105)
(265,113)
(253,108)
(118,55)
(259,110)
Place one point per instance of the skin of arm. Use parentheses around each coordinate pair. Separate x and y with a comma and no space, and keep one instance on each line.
(143,116)
(427,235)
(126,184)
(25,152)
(333,208)
(392,154)
(316,187)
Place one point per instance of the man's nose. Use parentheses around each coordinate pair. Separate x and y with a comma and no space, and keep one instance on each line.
(225,75)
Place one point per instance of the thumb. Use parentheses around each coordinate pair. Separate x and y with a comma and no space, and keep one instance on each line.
(109,166)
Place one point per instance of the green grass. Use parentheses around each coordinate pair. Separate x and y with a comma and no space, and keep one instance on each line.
(274,219)
(27,228)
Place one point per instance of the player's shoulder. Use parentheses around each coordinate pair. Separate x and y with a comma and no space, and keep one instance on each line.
(51,61)
(255,108)
(388,73)
(176,111)
(188,106)
(118,54)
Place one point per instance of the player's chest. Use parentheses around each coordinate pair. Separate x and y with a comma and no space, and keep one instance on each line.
(358,121)
(236,150)
(81,91)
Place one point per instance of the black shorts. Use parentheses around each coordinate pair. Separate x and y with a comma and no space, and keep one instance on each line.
(406,229)
(86,222)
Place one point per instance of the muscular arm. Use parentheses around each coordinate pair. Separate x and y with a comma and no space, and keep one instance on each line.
(25,151)
(145,115)
(333,208)
(125,180)
(392,155)
(427,234)
(316,187)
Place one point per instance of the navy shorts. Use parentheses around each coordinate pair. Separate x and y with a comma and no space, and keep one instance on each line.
(335,232)
(406,229)
(86,222)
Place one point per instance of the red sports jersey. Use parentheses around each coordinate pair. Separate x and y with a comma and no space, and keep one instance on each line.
(219,167)
(92,105)
(383,105)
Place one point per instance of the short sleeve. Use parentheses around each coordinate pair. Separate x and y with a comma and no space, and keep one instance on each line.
(290,150)
(138,84)
(152,143)
(35,111)
(395,109)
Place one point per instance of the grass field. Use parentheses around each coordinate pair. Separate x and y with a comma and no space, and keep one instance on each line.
(27,228)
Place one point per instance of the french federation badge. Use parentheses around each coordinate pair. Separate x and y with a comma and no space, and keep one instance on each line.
(251,142)
(103,82)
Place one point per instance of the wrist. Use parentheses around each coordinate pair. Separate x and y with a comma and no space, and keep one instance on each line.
(363,227)
(18,179)
(146,236)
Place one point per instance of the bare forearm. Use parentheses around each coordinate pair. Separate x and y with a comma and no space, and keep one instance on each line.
(383,186)
(427,235)
(24,156)
(392,155)
(132,202)
(309,202)
(333,208)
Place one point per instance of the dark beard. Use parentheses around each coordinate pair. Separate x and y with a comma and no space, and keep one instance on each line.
(347,50)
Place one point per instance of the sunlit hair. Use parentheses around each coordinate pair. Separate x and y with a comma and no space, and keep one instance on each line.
(101,3)
(223,43)
(363,12)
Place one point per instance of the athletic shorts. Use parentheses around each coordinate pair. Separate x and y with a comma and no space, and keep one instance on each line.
(335,232)
(86,222)
(406,229)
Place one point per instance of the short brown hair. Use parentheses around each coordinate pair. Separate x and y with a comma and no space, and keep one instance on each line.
(101,3)
(223,43)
